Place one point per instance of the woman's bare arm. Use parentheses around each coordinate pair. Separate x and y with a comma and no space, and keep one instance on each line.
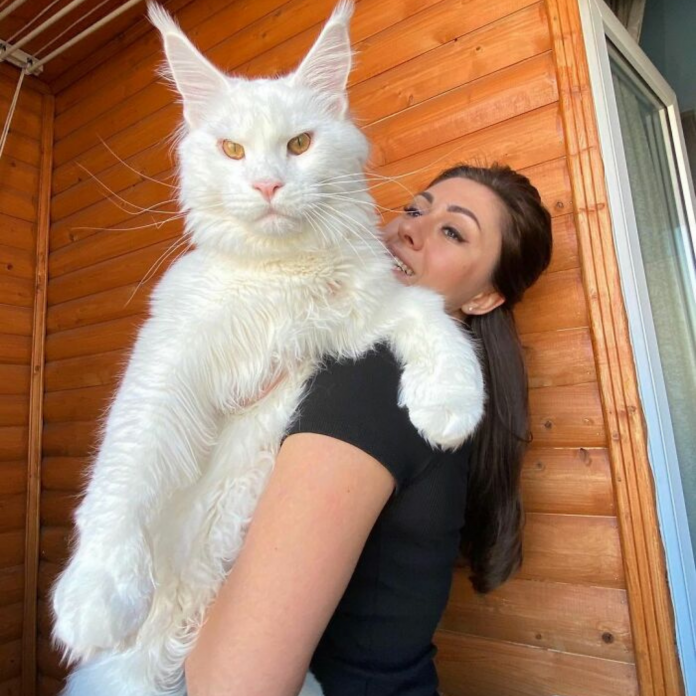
(307,534)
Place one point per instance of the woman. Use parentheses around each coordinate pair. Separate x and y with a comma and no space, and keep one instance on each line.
(348,562)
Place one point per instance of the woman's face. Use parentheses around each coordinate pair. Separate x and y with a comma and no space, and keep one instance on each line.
(449,239)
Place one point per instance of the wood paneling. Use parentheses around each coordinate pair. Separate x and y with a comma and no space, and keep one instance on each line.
(474,666)
(23,170)
(566,617)
(649,596)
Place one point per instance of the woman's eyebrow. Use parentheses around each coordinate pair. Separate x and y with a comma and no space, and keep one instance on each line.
(428,196)
(464,211)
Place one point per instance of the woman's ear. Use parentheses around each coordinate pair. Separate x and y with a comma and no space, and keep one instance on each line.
(483,303)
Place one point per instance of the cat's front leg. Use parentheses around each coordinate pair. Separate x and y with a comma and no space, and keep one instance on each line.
(442,382)
(160,427)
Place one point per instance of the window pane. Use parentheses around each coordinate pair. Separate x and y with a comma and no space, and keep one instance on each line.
(667,257)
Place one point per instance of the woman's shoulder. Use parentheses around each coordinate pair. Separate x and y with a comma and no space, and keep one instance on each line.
(357,401)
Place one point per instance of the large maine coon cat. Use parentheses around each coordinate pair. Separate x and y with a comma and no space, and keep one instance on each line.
(286,268)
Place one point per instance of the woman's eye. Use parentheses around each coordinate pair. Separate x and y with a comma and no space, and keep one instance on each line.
(233,150)
(299,144)
(452,234)
(411,211)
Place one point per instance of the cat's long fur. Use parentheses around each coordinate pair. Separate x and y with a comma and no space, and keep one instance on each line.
(188,445)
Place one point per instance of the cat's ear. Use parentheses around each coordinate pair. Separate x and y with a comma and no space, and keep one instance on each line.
(327,65)
(196,79)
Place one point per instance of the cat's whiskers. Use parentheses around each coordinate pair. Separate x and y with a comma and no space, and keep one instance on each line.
(345,197)
(353,222)
(325,220)
(185,241)
(138,209)
(140,174)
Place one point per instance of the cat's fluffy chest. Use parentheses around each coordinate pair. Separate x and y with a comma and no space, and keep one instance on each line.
(222,325)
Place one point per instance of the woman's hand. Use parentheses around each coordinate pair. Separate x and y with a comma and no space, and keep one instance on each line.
(305,539)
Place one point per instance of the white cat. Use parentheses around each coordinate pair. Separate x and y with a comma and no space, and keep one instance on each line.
(287,268)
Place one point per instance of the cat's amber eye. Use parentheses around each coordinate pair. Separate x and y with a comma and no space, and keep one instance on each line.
(299,144)
(232,149)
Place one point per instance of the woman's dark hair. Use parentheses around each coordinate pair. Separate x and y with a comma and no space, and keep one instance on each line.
(491,540)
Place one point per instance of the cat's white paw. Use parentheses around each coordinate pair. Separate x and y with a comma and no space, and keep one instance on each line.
(96,606)
(445,407)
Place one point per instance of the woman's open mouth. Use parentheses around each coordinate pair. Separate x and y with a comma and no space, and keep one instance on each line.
(398,263)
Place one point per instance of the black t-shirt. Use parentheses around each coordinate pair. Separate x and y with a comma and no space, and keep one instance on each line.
(379,640)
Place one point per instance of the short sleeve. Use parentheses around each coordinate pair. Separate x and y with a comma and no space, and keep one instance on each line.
(357,402)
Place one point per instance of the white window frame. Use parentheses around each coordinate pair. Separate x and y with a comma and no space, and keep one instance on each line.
(600,25)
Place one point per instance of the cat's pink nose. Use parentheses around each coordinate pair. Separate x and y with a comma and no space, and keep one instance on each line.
(267,188)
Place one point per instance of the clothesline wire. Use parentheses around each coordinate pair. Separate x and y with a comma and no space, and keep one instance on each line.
(38,53)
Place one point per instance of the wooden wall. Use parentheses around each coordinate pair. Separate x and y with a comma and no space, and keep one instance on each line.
(435,83)
(20,183)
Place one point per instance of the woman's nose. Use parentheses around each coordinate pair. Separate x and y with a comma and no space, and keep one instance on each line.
(410,233)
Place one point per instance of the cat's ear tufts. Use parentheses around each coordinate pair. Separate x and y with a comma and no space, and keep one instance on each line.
(196,79)
(327,65)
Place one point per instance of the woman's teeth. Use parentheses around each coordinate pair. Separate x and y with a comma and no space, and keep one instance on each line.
(403,267)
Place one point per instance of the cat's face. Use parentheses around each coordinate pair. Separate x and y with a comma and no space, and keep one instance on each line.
(270,158)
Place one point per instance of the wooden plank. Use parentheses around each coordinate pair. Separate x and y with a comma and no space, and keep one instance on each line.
(18,175)
(86,371)
(565,244)
(15,320)
(557,358)
(58,507)
(12,511)
(473,666)
(139,213)
(44,618)
(577,549)
(48,660)
(150,162)
(509,38)
(11,623)
(14,379)
(23,149)
(55,544)
(36,399)
(17,291)
(69,439)
(16,263)
(567,416)
(10,660)
(17,233)
(15,350)
(13,442)
(11,585)
(12,687)
(386,35)
(13,476)
(20,204)
(133,267)
(125,143)
(574,481)
(48,686)
(89,403)
(141,57)
(555,302)
(11,549)
(48,572)
(124,301)
(516,90)
(64,473)
(107,53)
(109,336)
(14,410)
(559,616)
(649,594)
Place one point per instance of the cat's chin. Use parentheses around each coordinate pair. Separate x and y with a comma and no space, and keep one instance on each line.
(274,224)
